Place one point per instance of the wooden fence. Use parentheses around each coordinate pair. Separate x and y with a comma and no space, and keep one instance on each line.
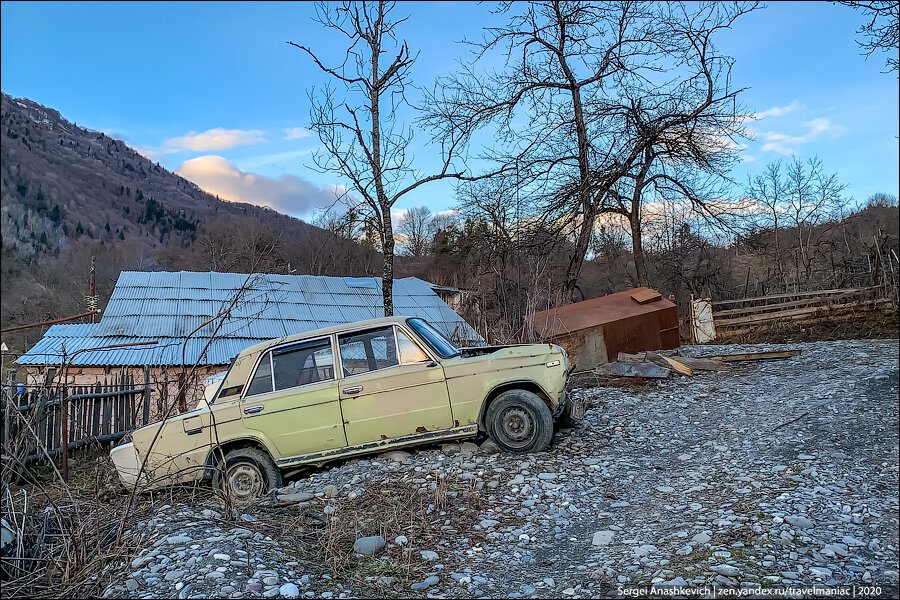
(101,413)
(737,317)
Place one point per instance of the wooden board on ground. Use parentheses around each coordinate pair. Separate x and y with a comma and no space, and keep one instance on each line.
(677,365)
(701,364)
(645,369)
(756,356)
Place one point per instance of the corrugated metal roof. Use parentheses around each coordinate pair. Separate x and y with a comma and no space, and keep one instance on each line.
(167,306)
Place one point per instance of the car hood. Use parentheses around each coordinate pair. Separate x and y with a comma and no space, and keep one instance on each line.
(510,352)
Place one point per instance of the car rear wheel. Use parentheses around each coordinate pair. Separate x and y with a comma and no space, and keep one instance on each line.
(247,474)
(519,422)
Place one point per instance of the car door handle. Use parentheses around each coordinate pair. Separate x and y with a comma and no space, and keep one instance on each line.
(353,390)
(253,409)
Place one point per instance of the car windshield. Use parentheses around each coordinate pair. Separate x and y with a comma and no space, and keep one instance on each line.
(434,338)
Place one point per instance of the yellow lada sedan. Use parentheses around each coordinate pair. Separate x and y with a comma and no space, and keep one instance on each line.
(349,390)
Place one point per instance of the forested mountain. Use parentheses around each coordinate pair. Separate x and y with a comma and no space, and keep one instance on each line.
(69,193)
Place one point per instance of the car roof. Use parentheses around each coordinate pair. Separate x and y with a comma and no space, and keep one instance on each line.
(315,333)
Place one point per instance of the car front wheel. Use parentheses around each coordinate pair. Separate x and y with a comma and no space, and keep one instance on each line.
(519,422)
(247,474)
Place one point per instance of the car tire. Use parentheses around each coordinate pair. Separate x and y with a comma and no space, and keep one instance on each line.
(519,422)
(247,474)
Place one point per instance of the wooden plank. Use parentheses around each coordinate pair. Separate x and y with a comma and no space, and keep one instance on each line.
(756,356)
(835,315)
(647,369)
(701,364)
(794,295)
(646,296)
(824,310)
(624,357)
(783,305)
(678,366)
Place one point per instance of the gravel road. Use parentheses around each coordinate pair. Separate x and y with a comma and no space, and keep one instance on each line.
(778,474)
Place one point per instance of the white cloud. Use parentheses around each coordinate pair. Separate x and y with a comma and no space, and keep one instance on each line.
(215,139)
(785,144)
(288,194)
(296,133)
(153,154)
(778,111)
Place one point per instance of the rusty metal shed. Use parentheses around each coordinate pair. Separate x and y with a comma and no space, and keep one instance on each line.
(594,331)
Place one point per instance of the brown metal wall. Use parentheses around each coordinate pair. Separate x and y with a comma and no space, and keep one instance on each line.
(654,331)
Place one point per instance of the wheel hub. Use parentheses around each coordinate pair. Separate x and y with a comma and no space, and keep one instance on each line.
(518,425)
(245,482)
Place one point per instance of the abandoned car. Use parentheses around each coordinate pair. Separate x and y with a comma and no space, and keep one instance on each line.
(354,389)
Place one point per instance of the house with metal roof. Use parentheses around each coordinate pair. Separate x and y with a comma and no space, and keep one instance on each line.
(208,318)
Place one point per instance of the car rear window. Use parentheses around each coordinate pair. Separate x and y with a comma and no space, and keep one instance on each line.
(302,364)
(292,366)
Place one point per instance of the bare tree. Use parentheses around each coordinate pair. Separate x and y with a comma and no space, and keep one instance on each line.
(882,32)
(417,230)
(804,197)
(361,131)
(591,93)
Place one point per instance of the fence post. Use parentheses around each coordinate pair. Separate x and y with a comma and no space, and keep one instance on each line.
(146,394)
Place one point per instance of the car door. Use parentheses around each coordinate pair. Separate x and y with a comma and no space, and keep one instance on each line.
(390,386)
(292,399)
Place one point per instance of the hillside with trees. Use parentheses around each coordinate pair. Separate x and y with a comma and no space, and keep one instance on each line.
(70,193)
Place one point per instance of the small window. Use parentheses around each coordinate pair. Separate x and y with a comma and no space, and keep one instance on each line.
(302,364)
(409,350)
(368,351)
(262,381)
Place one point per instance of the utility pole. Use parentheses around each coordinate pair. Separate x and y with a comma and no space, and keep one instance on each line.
(92,299)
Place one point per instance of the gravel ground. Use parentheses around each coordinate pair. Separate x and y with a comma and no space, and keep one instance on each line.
(779,474)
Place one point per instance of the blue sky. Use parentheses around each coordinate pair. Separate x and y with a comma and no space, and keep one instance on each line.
(212,90)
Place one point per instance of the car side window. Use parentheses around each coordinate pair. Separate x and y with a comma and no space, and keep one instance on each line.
(262,380)
(302,364)
(366,351)
(409,350)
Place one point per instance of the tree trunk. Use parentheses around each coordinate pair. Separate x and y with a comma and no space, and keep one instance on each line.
(637,249)
(387,274)
(582,242)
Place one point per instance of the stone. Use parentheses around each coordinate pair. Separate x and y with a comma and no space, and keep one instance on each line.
(429,555)
(369,546)
(489,447)
(132,585)
(450,449)
(799,522)
(330,491)
(426,583)
(400,540)
(396,456)
(289,590)
(665,489)
(702,538)
(603,538)
(296,497)
(468,448)
(726,570)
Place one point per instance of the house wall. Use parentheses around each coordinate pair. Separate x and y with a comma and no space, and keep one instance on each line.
(164,383)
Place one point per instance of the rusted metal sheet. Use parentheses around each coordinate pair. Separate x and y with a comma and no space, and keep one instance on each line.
(595,331)
(648,370)
(597,311)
